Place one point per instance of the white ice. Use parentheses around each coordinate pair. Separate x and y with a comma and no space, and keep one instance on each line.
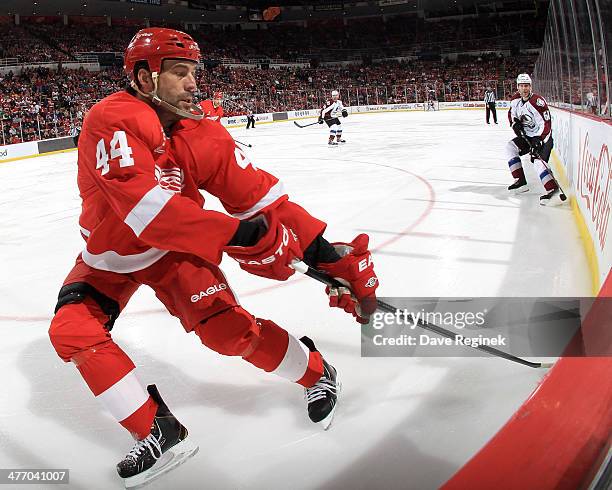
(430,190)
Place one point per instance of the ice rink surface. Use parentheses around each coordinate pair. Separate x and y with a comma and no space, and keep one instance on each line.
(430,190)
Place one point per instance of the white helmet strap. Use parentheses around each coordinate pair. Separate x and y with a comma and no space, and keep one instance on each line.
(155,99)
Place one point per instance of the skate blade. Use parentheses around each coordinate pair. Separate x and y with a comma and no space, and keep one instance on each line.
(551,203)
(521,190)
(554,201)
(172,458)
(327,421)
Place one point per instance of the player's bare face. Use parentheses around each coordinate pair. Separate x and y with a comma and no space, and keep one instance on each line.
(217,102)
(524,90)
(177,83)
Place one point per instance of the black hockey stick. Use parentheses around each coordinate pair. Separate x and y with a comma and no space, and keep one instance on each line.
(248,145)
(330,281)
(305,125)
(562,195)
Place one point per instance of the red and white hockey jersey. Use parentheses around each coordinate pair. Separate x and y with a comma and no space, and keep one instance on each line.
(138,199)
(213,162)
(210,111)
(332,108)
(533,113)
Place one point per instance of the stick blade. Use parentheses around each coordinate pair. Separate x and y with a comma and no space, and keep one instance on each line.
(546,365)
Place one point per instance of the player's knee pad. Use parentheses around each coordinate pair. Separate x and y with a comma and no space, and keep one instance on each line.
(512,151)
(77,328)
(78,291)
(233,332)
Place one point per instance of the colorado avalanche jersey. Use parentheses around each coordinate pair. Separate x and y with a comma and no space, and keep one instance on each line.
(332,109)
(139,200)
(533,113)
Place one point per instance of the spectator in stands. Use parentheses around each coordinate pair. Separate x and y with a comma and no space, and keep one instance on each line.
(591,103)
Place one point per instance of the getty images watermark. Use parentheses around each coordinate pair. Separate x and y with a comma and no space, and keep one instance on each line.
(404,318)
(520,326)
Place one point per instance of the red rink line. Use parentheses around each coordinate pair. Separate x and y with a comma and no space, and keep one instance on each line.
(430,204)
(459,209)
(559,436)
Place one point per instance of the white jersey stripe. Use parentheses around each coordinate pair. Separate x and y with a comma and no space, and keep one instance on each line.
(516,166)
(123,264)
(294,364)
(276,191)
(125,397)
(334,109)
(147,209)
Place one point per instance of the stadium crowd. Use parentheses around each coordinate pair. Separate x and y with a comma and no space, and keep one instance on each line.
(38,102)
(43,103)
(39,41)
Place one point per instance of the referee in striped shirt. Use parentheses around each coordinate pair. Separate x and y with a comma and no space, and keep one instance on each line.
(489,100)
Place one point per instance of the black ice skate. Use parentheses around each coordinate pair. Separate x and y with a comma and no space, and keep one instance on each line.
(519,186)
(553,198)
(322,397)
(341,141)
(332,143)
(166,447)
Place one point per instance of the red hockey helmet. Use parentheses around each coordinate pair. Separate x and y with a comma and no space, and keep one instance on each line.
(218,95)
(155,44)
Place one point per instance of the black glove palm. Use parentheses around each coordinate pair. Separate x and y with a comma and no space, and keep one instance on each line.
(517,127)
(536,145)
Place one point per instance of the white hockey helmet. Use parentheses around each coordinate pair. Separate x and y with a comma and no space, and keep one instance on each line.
(335,92)
(523,78)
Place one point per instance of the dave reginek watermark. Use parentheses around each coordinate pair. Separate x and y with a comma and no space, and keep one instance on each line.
(388,331)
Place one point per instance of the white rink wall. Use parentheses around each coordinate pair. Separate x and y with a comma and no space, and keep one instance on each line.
(310,113)
(582,149)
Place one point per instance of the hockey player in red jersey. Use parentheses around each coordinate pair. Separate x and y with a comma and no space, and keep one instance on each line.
(144,154)
(213,109)
(530,119)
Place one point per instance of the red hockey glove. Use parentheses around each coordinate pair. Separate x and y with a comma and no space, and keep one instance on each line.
(271,255)
(356,270)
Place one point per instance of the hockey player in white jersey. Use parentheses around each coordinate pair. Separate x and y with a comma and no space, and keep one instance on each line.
(530,120)
(330,114)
